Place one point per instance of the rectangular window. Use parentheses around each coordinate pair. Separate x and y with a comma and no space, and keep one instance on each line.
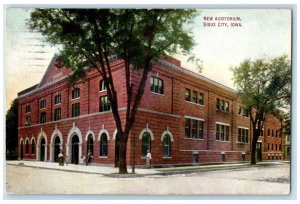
(268,146)
(239,134)
(276,147)
(272,133)
(187,94)
(217,132)
(222,105)
(272,147)
(195,96)
(43,117)
(43,104)
(227,106)
(104,104)
(269,132)
(240,111)
(227,133)
(194,128)
(247,135)
(200,129)
(57,99)
(75,110)
(157,85)
(187,127)
(218,104)
(28,121)
(57,114)
(222,132)
(201,98)
(28,109)
(76,93)
(279,147)
(102,86)
(276,133)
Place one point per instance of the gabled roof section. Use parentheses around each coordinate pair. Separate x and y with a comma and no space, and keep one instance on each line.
(54,72)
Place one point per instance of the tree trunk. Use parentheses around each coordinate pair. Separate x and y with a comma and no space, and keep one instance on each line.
(253,151)
(122,154)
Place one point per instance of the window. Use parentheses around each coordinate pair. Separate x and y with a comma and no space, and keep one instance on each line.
(243,157)
(272,133)
(276,133)
(75,109)
(43,104)
(222,132)
(103,145)
(28,121)
(76,93)
(217,132)
(223,157)
(104,104)
(157,85)
(146,143)
(167,146)
(57,99)
(187,127)
(43,117)
(222,105)
(227,106)
(268,146)
(102,86)
(201,98)
(90,144)
(195,96)
(242,135)
(272,147)
(200,129)
(32,146)
(27,147)
(187,94)
(28,109)
(276,147)
(218,104)
(57,114)
(194,128)
(279,147)
(269,132)
(240,111)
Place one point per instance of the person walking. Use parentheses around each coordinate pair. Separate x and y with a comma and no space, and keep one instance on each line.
(148,159)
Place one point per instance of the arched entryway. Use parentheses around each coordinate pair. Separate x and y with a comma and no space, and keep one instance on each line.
(75,149)
(22,150)
(56,148)
(42,149)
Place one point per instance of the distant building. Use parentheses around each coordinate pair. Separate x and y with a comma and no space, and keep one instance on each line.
(183,118)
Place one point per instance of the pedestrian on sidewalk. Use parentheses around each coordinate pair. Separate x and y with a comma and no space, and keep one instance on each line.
(88,157)
(148,159)
(61,158)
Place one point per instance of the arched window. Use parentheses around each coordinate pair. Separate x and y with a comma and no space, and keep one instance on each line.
(90,144)
(103,145)
(146,143)
(27,147)
(167,146)
(32,146)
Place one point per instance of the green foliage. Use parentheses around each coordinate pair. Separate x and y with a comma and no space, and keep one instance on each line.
(85,35)
(264,84)
(12,131)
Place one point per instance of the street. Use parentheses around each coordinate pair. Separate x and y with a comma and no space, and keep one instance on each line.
(266,180)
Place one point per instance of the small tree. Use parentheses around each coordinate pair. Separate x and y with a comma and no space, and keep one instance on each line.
(264,87)
(88,37)
(12,131)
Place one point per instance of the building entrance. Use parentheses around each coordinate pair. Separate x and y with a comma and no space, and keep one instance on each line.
(56,148)
(75,150)
(42,149)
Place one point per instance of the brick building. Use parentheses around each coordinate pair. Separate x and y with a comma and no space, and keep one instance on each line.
(183,118)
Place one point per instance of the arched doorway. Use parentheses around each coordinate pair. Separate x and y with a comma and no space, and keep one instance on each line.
(43,148)
(117,150)
(22,151)
(75,150)
(56,148)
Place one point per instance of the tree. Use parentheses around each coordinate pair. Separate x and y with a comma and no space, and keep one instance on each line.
(12,131)
(88,38)
(264,87)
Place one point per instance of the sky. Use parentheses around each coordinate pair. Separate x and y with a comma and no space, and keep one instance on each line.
(220,46)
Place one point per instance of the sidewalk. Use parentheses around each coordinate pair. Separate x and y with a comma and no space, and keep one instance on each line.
(113,172)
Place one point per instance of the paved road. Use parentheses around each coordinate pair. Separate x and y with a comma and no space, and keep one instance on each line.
(269,180)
